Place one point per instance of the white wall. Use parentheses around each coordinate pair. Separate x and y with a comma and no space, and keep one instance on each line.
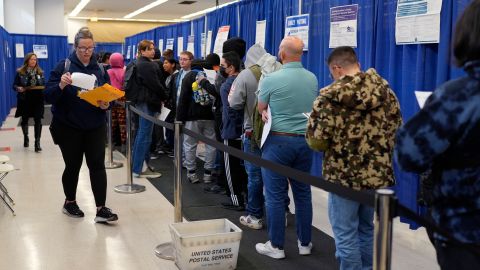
(2,19)
(49,17)
(19,16)
(72,28)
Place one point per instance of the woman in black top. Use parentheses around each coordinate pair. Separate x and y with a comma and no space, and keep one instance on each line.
(29,83)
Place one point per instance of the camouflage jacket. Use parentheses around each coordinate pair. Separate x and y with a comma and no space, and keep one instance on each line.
(444,137)
(354,121)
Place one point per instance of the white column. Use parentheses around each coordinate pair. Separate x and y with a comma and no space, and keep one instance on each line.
(49,17)
(2,18)
(19,16)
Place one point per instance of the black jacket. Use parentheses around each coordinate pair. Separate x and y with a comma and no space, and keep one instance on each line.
(152,89)
(187,109)
(67,107)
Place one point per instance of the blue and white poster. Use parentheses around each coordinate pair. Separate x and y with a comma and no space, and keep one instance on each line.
(160,44)
(41,51)
(418,21)
(298,26)
(343,26)
(190,44)
(170,43)
(203,44)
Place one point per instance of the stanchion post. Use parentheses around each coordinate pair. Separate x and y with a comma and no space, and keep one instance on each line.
(130,187)
(166,250)
(382,244)
(177,190)
(110,164)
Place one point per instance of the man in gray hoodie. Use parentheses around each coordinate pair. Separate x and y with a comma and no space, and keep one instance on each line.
(243,96)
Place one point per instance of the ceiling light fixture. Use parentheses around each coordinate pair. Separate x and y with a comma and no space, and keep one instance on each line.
(207,10)
(128,20)
(145,8)
(79,8)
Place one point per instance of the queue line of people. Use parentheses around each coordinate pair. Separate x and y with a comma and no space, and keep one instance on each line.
(354,121)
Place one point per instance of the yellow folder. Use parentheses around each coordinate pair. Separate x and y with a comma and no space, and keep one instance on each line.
(105,93)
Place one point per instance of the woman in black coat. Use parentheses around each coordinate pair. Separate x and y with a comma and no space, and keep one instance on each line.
(29,83)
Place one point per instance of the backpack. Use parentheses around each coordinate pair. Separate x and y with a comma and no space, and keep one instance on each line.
(200,95)
(130,84)
(257,122)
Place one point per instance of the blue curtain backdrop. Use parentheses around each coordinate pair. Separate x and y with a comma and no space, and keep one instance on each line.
(57,47)
(108,47)
(251,11)
(134,40)
(7,73)
(198,28)
(174,31)
(277,10)
(407,67)
(224,16)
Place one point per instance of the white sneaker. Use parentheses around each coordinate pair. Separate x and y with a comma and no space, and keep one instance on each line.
(302,250)
(147,173)
(252,222)
(267,250)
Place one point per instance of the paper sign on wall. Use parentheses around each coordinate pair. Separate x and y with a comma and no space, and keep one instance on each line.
(170,42)
(160,45)
(203,44)
(343,26)
(179,45)
(209,42)
(298,26)
(260,33)
(191,44)
(19,51)
(128,51)
(134,52)
(222,36)
(41,51)
(418,21)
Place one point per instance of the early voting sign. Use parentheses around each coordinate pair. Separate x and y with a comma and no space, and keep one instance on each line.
(298,26)
(343,26)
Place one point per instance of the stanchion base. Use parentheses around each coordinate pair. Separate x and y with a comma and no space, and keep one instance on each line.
(113,165)
(129,189)
(165,251)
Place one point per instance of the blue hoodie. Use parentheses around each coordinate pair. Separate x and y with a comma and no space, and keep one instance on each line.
(67,107)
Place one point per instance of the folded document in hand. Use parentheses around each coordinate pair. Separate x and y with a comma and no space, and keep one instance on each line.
(105,93)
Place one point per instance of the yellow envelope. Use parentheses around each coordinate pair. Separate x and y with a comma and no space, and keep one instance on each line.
(105,93)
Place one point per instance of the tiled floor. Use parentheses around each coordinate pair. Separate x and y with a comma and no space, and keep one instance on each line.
(41,237)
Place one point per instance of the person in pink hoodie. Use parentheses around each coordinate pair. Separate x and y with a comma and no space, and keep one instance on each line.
(117,76)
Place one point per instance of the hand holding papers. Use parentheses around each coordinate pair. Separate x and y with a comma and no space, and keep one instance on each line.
(422,96)
(266,127)
(106,93)
(163,114)
(84,81)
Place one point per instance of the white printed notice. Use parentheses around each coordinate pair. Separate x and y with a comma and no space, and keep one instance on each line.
(160,44)
(418,21)
(222,36)
(422,96)
(170,42)
(134,52)
(203,44)
(260,33)
(209,42)
(343,26)
(129,49)
(179,45)
(19,51)
(298,26)
(191,44)
(41,51)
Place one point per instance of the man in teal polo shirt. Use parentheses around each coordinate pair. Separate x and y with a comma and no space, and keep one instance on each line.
(289,93)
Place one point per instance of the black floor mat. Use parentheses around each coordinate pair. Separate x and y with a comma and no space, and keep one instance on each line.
(198,205)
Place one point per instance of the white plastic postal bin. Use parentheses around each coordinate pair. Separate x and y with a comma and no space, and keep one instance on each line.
(206,244)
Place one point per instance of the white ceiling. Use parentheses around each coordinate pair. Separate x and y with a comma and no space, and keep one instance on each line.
(169,10)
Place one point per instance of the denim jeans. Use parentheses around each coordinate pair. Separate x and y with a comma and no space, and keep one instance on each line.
(255,198)
(295,153)
(143,139)
(352,225)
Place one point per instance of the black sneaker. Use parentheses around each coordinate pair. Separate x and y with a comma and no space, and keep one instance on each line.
(105,214)
(71,209)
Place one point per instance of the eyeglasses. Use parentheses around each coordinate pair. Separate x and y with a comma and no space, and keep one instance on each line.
(85,49)
(184,59)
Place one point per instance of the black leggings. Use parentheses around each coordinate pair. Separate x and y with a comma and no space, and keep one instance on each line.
(74,144)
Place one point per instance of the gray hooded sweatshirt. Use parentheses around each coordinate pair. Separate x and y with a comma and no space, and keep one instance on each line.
(243,92)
